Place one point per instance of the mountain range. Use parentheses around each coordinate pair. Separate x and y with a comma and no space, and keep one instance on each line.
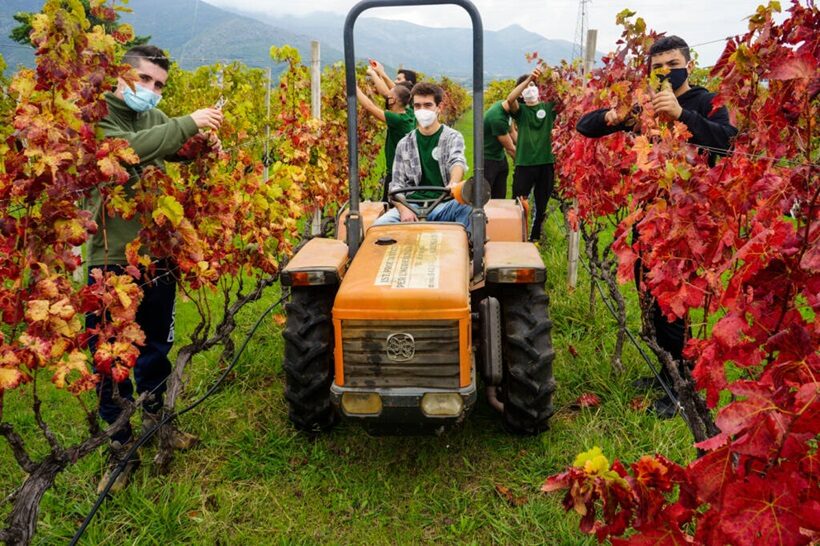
(196,33)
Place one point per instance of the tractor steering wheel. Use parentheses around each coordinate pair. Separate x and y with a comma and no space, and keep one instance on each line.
(423,207)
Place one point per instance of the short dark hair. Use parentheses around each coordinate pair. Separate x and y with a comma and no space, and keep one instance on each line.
(407,84)
(668,43)
(150,53)
(409,75)
(425,89)
(402,93)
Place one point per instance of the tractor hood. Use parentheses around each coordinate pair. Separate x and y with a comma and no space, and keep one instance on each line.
(417,271)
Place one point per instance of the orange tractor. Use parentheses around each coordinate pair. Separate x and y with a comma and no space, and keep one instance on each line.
(396,326)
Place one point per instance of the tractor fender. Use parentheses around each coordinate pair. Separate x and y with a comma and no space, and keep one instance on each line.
(511,263)
(319,262)
(506,220)
(369,211)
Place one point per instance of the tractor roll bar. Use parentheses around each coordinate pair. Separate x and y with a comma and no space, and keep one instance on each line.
(354,226)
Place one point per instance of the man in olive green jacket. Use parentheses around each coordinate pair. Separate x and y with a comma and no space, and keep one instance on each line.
(154,137)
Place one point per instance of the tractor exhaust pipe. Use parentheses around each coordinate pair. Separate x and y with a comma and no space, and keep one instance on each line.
(492,398)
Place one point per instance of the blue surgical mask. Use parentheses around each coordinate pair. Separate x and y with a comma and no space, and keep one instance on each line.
(140,100)
(676,77)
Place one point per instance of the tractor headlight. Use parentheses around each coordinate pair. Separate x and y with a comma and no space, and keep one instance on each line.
(361,403)
(442,404)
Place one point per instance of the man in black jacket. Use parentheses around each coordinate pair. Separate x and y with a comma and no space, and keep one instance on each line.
(711,130)
(691,105)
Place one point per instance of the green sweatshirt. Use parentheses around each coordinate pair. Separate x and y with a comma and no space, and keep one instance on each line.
(154,137)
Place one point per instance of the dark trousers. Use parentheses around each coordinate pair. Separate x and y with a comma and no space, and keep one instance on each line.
(496,174)
(669,335)
(539,179)
(155,316)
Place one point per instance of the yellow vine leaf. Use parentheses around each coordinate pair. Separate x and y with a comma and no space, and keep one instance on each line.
(76,361)
(37,310)
(168,207)
(9,379)
(592,461)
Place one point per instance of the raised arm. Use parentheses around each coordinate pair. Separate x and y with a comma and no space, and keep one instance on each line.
(369,105)
(512,98)
(380,78)
(157,142)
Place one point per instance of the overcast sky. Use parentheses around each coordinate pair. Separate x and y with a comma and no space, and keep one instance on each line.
(696,21)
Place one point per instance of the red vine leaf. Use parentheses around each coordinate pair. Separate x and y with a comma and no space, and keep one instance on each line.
(762,511)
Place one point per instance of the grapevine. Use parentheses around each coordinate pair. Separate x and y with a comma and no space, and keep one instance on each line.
(734,246)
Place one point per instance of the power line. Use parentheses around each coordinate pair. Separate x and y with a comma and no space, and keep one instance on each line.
(17,46)
(730,151)
(193,31)
(712,42)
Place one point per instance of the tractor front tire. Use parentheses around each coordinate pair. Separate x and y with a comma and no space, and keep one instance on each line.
(308,360)
(528,383)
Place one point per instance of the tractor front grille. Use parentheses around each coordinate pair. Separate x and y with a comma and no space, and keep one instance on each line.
(401,353)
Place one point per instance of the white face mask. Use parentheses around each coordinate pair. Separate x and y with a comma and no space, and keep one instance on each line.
(426,117)
(530,95)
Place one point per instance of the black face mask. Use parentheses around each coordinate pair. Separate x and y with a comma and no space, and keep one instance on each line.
(676,77)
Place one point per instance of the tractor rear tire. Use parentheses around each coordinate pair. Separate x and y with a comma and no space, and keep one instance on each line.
(308,360)
(528,383)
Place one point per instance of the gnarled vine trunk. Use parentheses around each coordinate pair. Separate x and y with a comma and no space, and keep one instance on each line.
(21,522)
(201,341)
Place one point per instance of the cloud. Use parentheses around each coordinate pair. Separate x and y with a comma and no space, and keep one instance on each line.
(697,22)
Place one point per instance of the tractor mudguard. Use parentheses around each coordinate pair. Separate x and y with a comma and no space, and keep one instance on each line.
(320,262)
(512,263)
(506,220)
(369,211)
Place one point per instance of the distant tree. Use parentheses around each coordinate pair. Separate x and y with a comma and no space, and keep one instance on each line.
(497,90)
(21,32)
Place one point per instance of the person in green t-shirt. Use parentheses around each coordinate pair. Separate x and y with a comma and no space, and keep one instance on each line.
(499,136)
(534,161)
(397,116)
(155,138)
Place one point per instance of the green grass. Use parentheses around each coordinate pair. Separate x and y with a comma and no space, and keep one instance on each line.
(254,480)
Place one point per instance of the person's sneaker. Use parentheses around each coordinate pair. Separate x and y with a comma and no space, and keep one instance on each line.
(180,440)
(647,384)
(663,408)
(117,452)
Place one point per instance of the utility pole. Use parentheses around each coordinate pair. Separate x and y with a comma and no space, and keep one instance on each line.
(581,25)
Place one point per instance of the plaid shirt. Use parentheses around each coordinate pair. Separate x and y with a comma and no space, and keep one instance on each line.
(407,164)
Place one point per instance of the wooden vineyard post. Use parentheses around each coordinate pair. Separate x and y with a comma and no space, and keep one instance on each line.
(574,234)
(316,113)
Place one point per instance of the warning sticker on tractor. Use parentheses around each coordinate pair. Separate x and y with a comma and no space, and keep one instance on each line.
(411,265)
